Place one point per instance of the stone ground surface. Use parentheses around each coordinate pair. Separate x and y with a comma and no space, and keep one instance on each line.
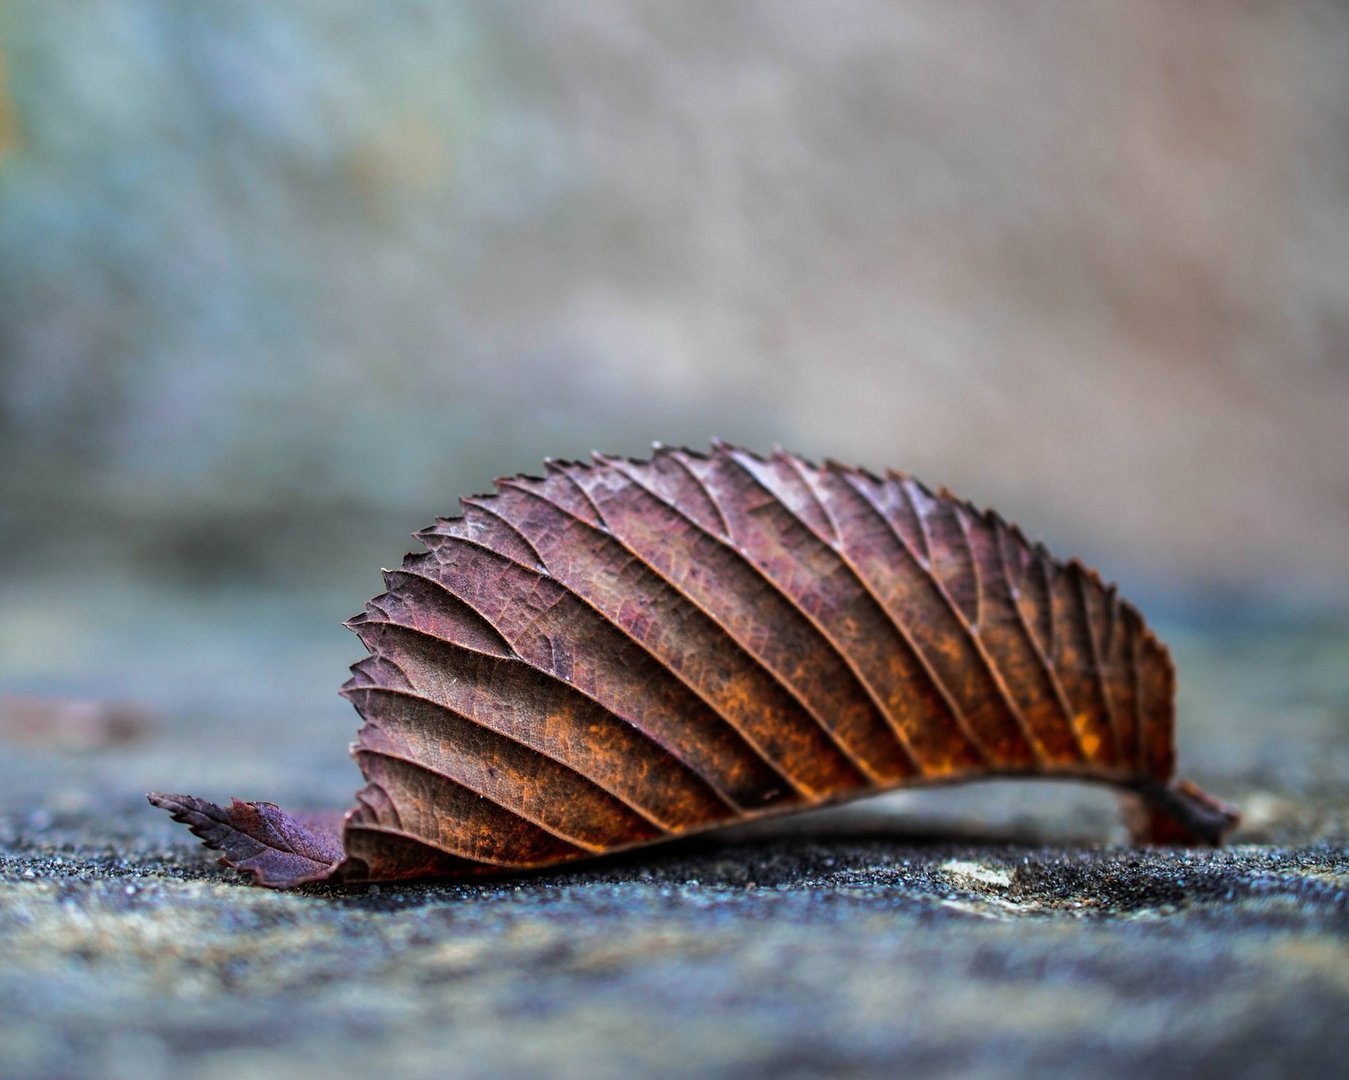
(985,930)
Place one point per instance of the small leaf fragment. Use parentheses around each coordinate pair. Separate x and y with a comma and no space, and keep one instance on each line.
(258,838)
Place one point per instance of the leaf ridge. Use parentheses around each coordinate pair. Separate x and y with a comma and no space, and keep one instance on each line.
(538,822)
(1002,538)
(459,716)
(1136,681)
(565,689)
(481,503)
(445,813)
(815,624)
(803,471)
(678,459)
(1081,583)
(732,638)
(646,649)
(553,677)
(924,571)
(985,660)
(835,550)
(937,682)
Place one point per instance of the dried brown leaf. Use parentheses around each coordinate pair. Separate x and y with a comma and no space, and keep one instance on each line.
(621,652)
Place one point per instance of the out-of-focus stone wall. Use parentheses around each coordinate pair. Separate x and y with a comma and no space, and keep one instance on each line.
(1088,262)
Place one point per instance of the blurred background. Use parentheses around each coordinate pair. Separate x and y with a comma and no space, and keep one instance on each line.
(279,282)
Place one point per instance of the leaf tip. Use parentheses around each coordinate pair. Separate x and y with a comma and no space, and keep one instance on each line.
(175,804)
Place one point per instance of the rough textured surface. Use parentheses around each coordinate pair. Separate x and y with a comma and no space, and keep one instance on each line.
(980,930)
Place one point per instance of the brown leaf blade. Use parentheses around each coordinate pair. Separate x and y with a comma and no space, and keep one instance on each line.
(274,848)
(620,652)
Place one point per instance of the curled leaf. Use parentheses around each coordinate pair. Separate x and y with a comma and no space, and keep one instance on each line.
(621,652)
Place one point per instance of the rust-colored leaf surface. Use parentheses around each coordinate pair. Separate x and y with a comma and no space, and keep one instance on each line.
(623,652)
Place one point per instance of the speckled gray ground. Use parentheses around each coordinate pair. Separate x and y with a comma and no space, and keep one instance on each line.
(982,930)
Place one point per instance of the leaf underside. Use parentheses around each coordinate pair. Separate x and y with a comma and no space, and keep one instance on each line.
(621,652)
